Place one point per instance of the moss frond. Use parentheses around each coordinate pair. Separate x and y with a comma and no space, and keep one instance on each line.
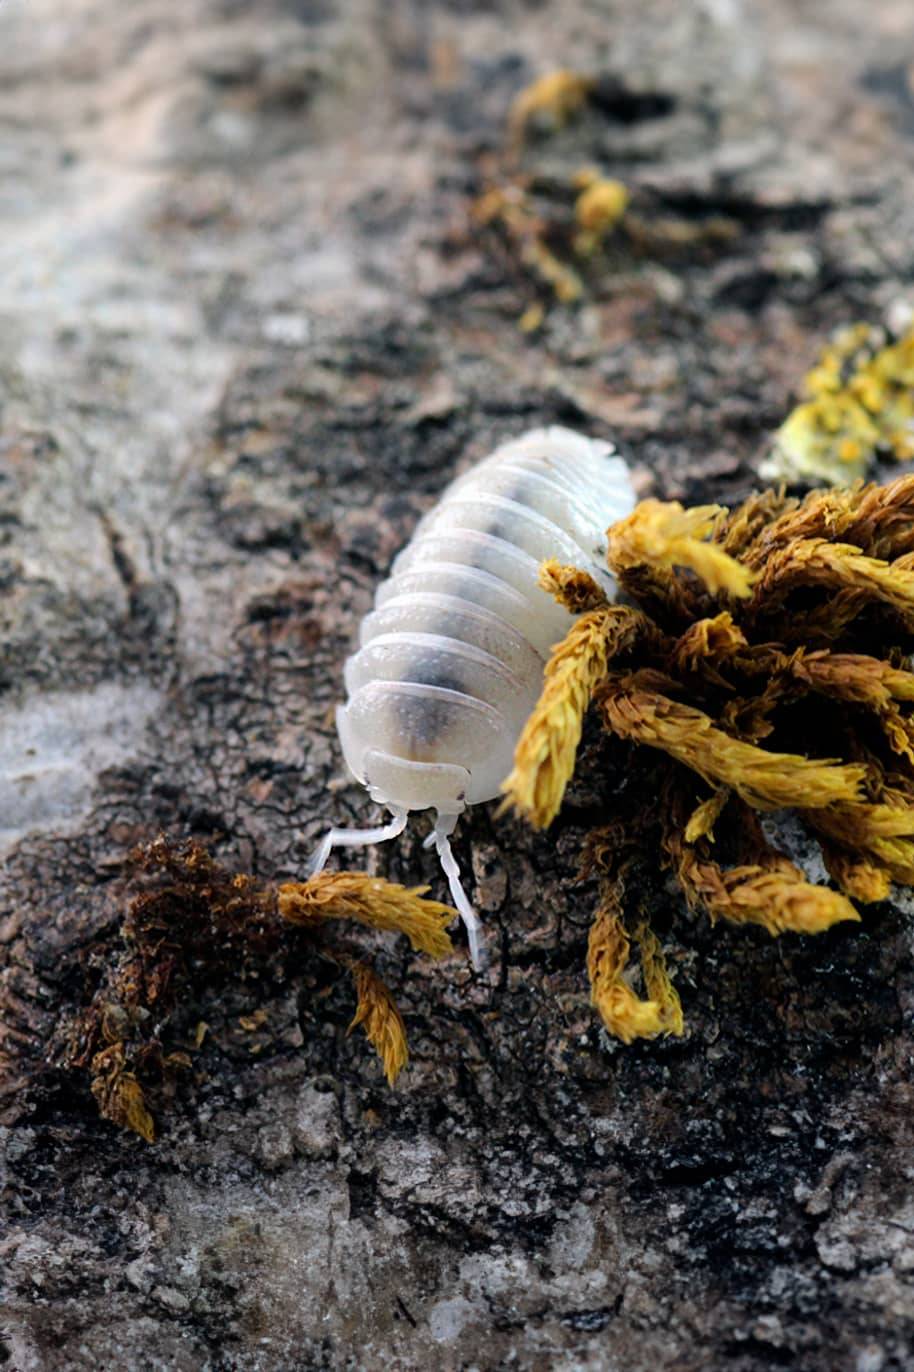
(378,1015)
(552,98)
(577,590)
(369,900)
(663,536)
(767,780)
(545,754)
(608,949)
(657,983)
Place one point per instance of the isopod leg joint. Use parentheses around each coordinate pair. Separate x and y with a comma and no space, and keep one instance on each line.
(356,838)
(440,837)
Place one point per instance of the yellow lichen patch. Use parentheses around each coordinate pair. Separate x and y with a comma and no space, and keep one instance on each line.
(623,1013)
(551,99)
(666,536)
(369,900)
(545,753)
(766,780)
(378,1015)
(859,402)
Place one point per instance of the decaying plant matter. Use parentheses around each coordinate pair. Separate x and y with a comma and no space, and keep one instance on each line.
(760,664)
(557,232)
(195,925)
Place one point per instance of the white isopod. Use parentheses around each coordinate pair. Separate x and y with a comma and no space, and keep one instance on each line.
(451,658)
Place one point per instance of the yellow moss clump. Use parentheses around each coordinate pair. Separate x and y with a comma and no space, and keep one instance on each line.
(378,1015)
(859,402)
(762,664)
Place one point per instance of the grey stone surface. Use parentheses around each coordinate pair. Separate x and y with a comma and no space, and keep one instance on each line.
(246,336)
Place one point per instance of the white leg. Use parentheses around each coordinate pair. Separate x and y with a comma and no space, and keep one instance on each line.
(356,838)
(443,827)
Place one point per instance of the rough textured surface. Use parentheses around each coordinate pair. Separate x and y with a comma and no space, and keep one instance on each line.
(245,337)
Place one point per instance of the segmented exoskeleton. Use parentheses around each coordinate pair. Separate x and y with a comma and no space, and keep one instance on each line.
(451,658)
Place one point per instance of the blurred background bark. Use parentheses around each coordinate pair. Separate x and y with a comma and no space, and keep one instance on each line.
(248,334)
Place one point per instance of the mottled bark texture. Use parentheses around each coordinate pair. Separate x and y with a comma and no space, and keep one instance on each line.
(246,339)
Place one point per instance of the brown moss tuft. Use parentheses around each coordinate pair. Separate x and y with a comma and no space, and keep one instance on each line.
(195,925)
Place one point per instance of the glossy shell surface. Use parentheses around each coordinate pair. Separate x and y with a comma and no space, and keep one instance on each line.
(451,658)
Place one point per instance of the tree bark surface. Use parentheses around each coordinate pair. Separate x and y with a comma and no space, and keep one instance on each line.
(248,335)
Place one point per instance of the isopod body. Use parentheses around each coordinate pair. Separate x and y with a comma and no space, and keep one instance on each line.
(450,660)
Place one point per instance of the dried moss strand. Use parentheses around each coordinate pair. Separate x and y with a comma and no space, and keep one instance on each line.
(880,833)
(382,1022)
(657,983)
(118,1094)
(545,754)
(740,530)
(554,97)
(705,816)
(369,900)
(577,590)
(767,780)
(837,567)
(778,896)
(664,535)
(608,949)
(860,878)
